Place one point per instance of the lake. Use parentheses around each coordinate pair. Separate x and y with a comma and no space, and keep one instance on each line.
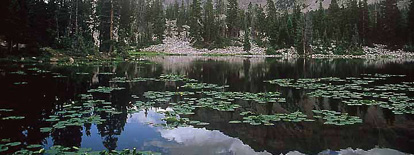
(208,105)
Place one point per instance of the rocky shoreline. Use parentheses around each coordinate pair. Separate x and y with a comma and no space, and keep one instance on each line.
(179,44)
(176,46)
(378,51)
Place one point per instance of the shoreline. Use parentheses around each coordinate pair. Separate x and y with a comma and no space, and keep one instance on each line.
(176,46)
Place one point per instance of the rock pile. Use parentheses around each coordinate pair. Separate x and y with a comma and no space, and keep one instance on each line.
(179,43)
(370,52)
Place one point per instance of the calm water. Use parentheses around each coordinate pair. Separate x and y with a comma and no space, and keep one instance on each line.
(45,93)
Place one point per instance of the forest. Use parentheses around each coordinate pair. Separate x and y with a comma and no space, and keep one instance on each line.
(115,26)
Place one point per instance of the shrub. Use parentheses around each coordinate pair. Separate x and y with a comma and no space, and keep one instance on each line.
(271,51)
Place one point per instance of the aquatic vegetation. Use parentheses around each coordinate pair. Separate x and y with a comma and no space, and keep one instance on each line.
(12,118)
(58,149)
(106,73)
(33,69)
(79,113)
(174,77)
(382,75)
(336,118)
(235,122)
(101,89)
(267,97)
(353,102)
(159,96)
(179,101)
(125,80)
(86,96)
(203,86)
(19,73)
(82,73)
(59,76)
(6,110)
(20,83)
(269,119)
(358,91)
(174,122)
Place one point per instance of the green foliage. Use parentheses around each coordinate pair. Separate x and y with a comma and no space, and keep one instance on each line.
(232,19)
(271,51)
(246,41)
(409,47)
(410,24)
(195,22)
(73,25)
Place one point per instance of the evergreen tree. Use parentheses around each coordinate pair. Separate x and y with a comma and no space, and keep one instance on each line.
(246,41)
(232,19)
(158,20)
(261,21)
(272,27)
(390,17)
(299,30)
(320,23)
(363,22)
(181,20)
(125,22)
(220,21)
(411,23)
(176,9)
(208,22)
(195,21)
(333,21)
(105,12)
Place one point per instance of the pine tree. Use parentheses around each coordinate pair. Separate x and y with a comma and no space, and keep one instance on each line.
(363,23)
(208,22)
(181,20)
(299,32)
(389,22)
(320,22)
(195,21)
(261,21)
(125,22)
(232,19)
(220,21)
(272,28)
(246,43)
(176,9)
(411,23)
(333,21)
(158,20)
(249,15)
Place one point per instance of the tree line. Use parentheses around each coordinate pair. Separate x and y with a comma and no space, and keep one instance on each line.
(88,26)
(82,26)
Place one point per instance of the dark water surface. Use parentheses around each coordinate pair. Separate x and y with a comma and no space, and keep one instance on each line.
(47,93)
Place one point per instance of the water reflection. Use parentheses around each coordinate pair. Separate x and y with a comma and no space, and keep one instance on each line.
(201,141)
(381,127)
